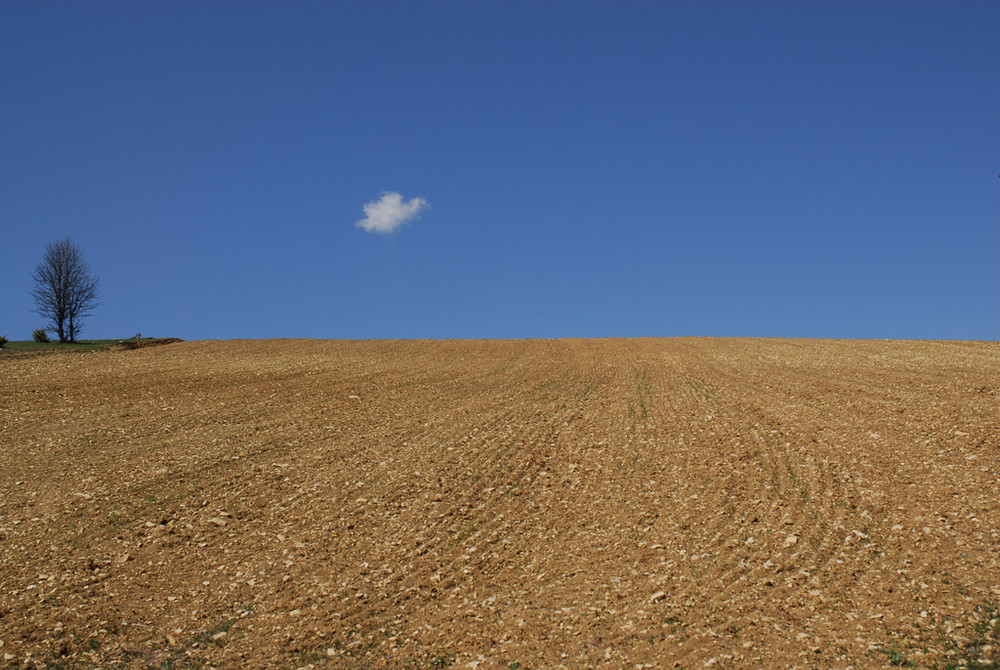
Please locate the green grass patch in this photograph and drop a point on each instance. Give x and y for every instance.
(803, 490)
(979, 649)
(594, 383)
(700, 389)
(643, 388)
(185, 655)
(893, 656)
(29, 347)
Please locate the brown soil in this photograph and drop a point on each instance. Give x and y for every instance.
(497, 504)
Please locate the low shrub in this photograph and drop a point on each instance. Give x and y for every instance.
(40, 335)
(3, 341)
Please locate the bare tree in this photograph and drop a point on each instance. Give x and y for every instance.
(65, 291)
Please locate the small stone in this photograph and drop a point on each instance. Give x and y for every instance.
(218, 636)
(791, 539)
(658, 596)
(295, 613)
(217, 521)
(331, 652)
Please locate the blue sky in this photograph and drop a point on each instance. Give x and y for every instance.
(584, 169)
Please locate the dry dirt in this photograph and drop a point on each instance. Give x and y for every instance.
(500, 504)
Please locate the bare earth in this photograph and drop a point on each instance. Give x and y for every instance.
(499, 504)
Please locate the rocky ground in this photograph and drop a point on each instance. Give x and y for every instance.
(499, 504)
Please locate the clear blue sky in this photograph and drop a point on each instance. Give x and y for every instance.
(586, 169)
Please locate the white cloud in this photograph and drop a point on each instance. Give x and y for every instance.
(390, 212)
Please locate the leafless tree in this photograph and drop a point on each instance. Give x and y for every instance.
(65, 291)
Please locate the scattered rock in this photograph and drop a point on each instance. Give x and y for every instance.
(675, 502)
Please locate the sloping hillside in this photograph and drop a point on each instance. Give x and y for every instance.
(501, 504)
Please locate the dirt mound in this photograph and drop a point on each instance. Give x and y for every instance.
(129, 345)
(496, 504)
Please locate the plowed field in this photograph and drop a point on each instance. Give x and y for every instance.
(502, 504)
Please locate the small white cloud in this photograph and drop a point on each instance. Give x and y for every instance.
(390, 212)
